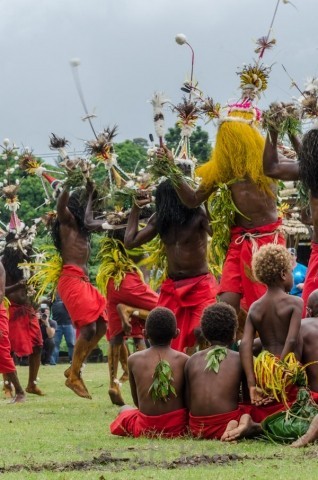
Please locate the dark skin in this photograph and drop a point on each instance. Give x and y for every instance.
(11, 377)
(141, 367)
(276, 317)
(219, 393)
(16, 292)
(281, 168)
(75, 250)
(75, 244)
(258, 208)
(124, 311)
(309, 332)
(180, 242)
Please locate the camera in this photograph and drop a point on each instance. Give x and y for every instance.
(43, 307)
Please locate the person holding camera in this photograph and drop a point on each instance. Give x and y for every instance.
(64, 328)
(48, 328)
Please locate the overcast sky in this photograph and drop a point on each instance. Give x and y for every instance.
(127, 51)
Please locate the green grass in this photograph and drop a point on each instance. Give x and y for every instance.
(45, 433)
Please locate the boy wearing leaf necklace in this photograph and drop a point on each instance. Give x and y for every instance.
(213, 378)
(157, 384)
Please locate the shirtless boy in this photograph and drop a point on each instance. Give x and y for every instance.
(276, 316)
(213, 393)
(162, 414)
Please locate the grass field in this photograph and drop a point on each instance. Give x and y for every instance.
(61, 436)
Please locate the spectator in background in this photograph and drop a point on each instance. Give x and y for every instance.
(48, 328)
(299, 274)
(64, 328)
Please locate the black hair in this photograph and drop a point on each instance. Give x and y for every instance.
(308, 161)
(219, 323)
(169, 208)
(161, 326)
(77, 206)
(12, 256)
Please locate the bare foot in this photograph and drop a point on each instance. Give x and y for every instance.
(310, 436)
(34, 389)
(245, 428)
(124, 378)
(67, 372)
(116, 397)
(232, 425)
(78, 387)
(8, 391)
(19, 398)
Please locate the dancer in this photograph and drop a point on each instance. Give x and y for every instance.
(184, 232)
(24, 330)
(280, 167)
(129, 298)
(85, 305)
(7, 367)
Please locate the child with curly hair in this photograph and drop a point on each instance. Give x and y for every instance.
(276, 316)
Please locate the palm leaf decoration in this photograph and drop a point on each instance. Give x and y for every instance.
(222, 211)
(46, 271)
(162, 388)
(115, 263)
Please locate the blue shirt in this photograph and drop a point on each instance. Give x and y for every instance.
(299, 274)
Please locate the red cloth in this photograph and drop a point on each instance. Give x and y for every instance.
(133, 292)
(24, 329)
(187, 299)
(258, 414)
(6, 361)
(83, 302)
(237, 271)
(213, 426)
(311, 280)
(136, 424)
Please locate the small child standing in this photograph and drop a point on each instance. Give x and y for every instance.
(157, 384)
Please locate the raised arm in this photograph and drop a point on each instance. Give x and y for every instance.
(16, 286)
(276, 165)
(135, 238)
(189, 197)
(63, 213)
(90, 223)
(291, 342)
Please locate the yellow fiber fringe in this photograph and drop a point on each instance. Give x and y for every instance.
(46, 273)
(238, 153)
(274, 376)
(156, 261)
(115, 263)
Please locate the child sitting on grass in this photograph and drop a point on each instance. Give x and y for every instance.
(276, 317)
(157, 383)
(213, 378)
